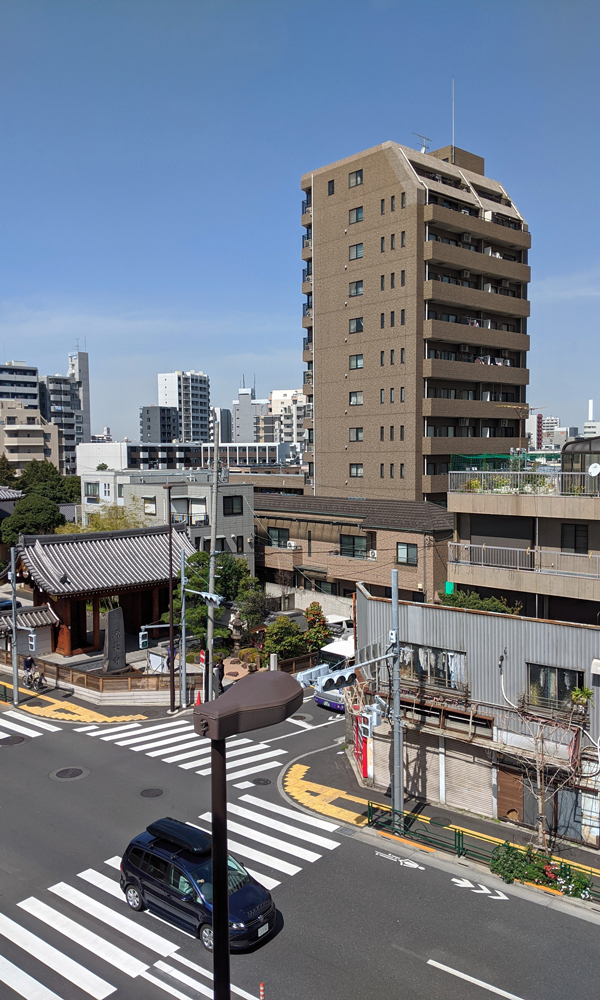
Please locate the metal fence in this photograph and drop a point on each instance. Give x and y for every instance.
(531, 560)
(546, 483)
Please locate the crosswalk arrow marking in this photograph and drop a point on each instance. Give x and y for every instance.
(463, 883)
(499, 896)
(482, 888)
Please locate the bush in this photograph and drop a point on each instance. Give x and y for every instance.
(318, 634)
(33, 515)
(471, 600)
(515, 865)
(284, 638)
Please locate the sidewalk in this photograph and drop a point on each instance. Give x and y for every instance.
(333, 771)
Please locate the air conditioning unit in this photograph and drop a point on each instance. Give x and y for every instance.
(372, 553)
(465, 211)
(505, 283)
(504, 423)
(292, 545)
(488, 251)
(466, 274)
(504, 353)
(466, 237)
(464, 348)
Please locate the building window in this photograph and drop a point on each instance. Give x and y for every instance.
(382, 471)
(382, 246)
(551, 687)
(382, 433)
(401, 355)
(355, 398)
(393, 241)
(356, 325)
(383, 206)
(382, 283)
(309, 539)
(406, 553)
(402, 432)
(355, 215)
(355, 178)
(403, 239)
(382, 358)
(330, 187)
(278, 537)
(403, 200)
(105, 491)
(402, 394)
(353, 546)
(402, 278)
(356, 361)
(382, 321)
(391, 433)
(401, 470)
(356, 433)
(356, 470)
(233, 505)
(149, 505)
(391, 470)
(392, 280)
(393, 203)
(392, 318)
(391, 395)
(239, 544)
(382, 395)
(120, 491)
(91, 490)
(324, 587)
(356, 288)
(392, 356)
(356, 251)
(574, 538)
(402, 317)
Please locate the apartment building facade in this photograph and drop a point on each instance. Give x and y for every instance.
(121, 455)
(65, 402)
(19, 381)
(25, 435)
(159, 424)
(415, 319)
(190, 393)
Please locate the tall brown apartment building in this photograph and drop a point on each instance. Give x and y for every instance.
(415, 277)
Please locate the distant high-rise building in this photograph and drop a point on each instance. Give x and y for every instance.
(20, 381)
(189, 392)
(290, 406)
(159, 424)
(104, 438)
(65, 401)
(225, 425)
(245, 410)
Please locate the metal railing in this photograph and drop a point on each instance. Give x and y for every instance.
(307, 378)
(194, 520)
(307, 345)
(549, 483)
(306, 207)
(531, 560)
(306, 309)
(306, 274)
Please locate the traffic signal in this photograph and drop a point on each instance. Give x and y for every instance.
(143, 639)
(31, 638)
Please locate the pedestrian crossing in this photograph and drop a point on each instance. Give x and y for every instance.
(82, 934)
(176, 743)
(13, 723)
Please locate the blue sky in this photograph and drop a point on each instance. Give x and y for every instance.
(151, 151)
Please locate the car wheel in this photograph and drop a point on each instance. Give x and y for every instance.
(134, 898)
(206, 936)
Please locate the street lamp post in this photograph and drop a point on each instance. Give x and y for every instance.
(168, 487)
(14, 650)
(210, 625)
(254, 702)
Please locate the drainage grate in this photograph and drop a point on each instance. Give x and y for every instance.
(12, 741)
(302, 718)
(261, 781)
(69, 773)
(151, 793)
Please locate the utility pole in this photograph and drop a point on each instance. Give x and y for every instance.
(182, 653)
(398, 749)
(15, 655)
(168, 488)
(210, 628)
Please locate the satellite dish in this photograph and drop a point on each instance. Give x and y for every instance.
(594, 469)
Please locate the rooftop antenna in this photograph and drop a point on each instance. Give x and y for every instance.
(452, 119)
(243, 381)
(424, 141)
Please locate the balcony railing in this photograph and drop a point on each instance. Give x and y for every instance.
(306, 274)
(538, 483)
(306, 309)
(307, 378)
(530, 560)
(306, 207)
(307, 345)
(354, 553)
(193, 520)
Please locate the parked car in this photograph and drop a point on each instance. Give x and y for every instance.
(168, 870)
(7, 605)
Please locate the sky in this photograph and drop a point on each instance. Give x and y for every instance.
(151, 152)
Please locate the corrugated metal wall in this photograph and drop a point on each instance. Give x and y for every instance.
(484, 637)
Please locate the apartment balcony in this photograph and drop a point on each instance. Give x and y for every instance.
(463, 333)
(466, 371)
(474, 299)
(478, 263)
(528, 571)
(525, 483)
(307, 285)
(370, 554)
(307, 423)
(307, 378)
(467, 445)
(456, 222)
(475, 408)
(306, 310)
(278, 557)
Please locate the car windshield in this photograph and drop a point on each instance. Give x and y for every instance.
(237, 876)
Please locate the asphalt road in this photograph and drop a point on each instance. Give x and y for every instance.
(356, 922)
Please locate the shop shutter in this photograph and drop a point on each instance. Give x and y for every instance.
(468, 778)
(421, 765)
(510, 795)
(382, 756)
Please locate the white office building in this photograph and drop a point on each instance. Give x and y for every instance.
(246, 411)
(190, 393)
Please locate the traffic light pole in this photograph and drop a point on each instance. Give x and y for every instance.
(182, 652)
(14, 653)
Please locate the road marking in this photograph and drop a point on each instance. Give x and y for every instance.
(55, 959)
(57, 710)
(85, 729)
(320, 726)
(85, 938)
(253, 770)
(209, 975)
(113, 731)
(267, 841)
(321, 824)
(165, 986)
(197, 742)
(102, 882)
(300, 723)
(464, 883)
(248, 760)
(269, 883)
(114, 862)
(276, 824)
(164, 740)
(23, 984)
(244, 784)
(181, 977)
(125, 925)
(236, 753)
(143, 737)
(263, 859)
(33, 722)
(195, 763)
(476, 982)
(19, 729)
(405, 862)
(319, 798)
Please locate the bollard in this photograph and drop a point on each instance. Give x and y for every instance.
(261, 992)
(4, 694)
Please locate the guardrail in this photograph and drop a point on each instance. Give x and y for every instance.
(538, 483)
(530, 560)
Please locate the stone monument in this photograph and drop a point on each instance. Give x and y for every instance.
(114, 642)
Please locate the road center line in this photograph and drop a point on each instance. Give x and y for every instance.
(471, 979)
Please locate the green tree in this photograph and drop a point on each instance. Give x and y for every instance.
(45, 479)
(102, 467)
(284, 638)
(7, 472)
(318, 634)
(36, 473)
(253, 606)
(471, 600)
(33, 515)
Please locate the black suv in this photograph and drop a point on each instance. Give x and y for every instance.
(168, 870)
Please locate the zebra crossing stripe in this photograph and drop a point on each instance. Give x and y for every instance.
(19, 729)
(209, 975)
(33, 722)
(85, 729)
(267, 841)
(248, 760)
(130, 928)
(321, 824)
(165, 986)
(195, 763)
(102, 882)
(85, 938)
(23, 984)
(262, 858)
(164, 740)
(181, 977)
(55, 959)
(196, 743)
(115, 731)
(269, 883)
(114, 862)
(144, 736)
(276, 824)
(254, 770)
